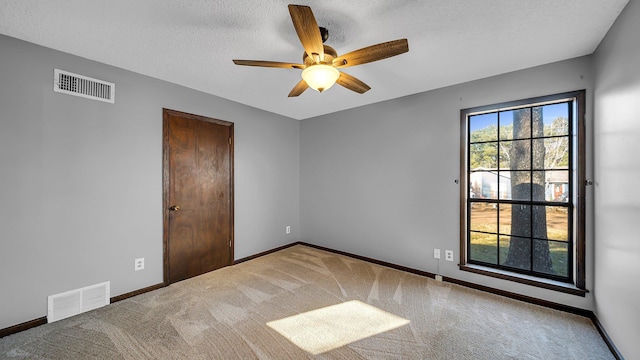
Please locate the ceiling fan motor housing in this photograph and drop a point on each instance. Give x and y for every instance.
(329, 54)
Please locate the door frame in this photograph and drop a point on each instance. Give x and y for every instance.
(165, 184)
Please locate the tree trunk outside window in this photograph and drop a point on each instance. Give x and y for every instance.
(528, 221)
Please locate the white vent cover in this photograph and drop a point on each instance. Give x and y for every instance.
(84, 86)
(74, 302)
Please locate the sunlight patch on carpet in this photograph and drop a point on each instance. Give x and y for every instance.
(331, 327)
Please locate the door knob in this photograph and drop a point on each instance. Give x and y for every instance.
(174, 208)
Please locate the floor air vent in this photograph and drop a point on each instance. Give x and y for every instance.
(74, 302)
(84, 86)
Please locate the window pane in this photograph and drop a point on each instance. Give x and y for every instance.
(538, 186)
(483, 127)
(559, 257)
(542, 257)
(504, 219)
(483, 156)
(505, 184)
(503, 242)
(504, 155)
(551, 257)
(515, 185)
(555, 118)
(557, 186)
(557, 222)
(484, 217)
(520, 220)
(520, 123)
(539, 222)
(515, 155)
(483, 247)
(537, 126)
(556, 154)
(484, 184)
(506, 125)
(538, 154)
(518, 254)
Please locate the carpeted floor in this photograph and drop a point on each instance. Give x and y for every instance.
(331, 306)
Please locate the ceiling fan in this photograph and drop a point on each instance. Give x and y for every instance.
(320, 63)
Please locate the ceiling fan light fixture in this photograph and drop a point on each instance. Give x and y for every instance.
(320, 77)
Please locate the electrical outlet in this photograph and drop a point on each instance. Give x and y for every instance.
(436, 253)
(448, 255)
(139, 264)
(287, 230)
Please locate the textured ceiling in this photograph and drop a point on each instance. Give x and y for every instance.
(192, 42)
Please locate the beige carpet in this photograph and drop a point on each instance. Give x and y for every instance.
(303, 303)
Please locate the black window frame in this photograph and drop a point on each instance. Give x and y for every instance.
(574, 282)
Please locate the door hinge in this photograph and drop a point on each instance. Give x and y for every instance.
(229, 243)
(230, 141)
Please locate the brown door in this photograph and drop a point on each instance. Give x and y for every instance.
(198, 195)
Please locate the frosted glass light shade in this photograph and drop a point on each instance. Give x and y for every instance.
(320, 77)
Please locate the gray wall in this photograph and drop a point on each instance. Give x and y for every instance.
(616, 171)
(379, 180)
(81, 180)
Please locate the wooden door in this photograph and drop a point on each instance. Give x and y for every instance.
(198, 195)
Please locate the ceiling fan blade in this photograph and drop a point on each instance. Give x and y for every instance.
(372, 53)
(308, 31)
(299, 88)
(273, 64)
(352, 83)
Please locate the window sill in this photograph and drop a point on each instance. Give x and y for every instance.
(525, 279)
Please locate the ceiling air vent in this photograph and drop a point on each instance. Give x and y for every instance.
(83, 86)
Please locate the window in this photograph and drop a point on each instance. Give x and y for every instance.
(522, 191)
